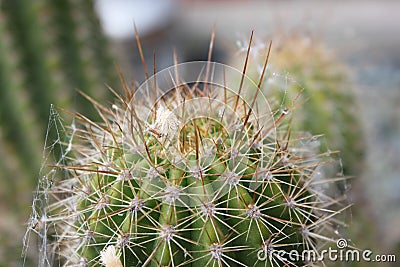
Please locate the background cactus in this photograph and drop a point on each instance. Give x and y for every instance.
(49, 48)
(330, 107)
(187, 175)
(14, 106)
(35, 72)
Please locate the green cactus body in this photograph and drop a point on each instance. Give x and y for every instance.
(33, 57)
(29, 77)
(189, 177)
(80, 54)
(41, 47)
(15, 122)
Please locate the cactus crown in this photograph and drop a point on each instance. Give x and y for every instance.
(194, 168)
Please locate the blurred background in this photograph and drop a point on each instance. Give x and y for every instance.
(346, 52)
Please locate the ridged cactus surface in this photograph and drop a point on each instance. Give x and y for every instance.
(185, 171)
(46, 54)
(41, 44)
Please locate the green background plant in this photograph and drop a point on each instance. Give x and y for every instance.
(329, 106)
(48, 50)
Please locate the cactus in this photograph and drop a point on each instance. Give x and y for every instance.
(75, 35)
(330, 107)
(23, 24)
(34, 70)
(186, 172)
(34, 75)
(16, 121)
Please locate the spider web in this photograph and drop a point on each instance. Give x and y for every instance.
(57, 146)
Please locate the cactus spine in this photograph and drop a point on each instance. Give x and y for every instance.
(188, 173)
